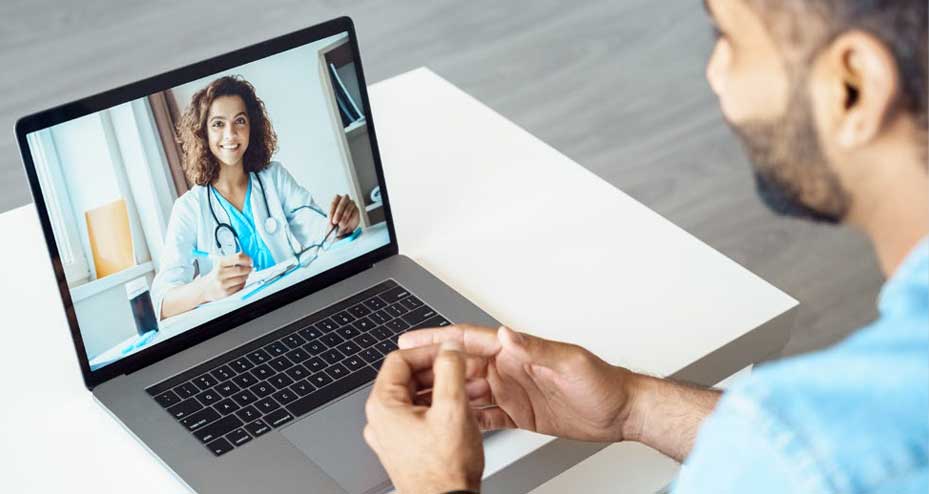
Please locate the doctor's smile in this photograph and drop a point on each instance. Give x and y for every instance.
(245, 212)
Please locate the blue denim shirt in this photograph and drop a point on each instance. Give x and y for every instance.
(853, 419)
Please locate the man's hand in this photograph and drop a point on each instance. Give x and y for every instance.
(540, 385)
(426, 449)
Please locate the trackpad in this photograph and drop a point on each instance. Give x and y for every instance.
(332, 438)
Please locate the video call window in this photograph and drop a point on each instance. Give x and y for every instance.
(174, 209)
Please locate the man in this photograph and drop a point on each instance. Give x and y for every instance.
(829, 98)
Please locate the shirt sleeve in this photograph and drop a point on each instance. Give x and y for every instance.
(739, 450)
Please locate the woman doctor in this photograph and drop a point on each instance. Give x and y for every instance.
(245, 212)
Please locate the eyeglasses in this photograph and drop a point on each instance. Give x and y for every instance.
(309, 254)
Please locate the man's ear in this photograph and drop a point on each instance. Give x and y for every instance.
(865, 84)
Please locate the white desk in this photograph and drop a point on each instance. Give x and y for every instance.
(490, 210)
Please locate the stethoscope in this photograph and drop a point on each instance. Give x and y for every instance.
(225, 236)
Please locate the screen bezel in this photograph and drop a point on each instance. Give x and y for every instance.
(129, 92)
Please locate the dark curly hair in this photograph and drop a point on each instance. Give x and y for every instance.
(199, 163)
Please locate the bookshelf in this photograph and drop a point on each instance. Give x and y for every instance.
(337, 74)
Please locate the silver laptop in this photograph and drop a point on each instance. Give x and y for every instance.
(235, 337)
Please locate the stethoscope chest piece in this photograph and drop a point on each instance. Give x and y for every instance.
(270, 225)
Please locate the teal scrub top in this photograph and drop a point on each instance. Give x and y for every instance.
(243, 222)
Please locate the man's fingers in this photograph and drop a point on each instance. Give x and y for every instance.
(370, 438)
(392, 383)
(475, 367)
(475, 340)
(491, 419)
(539, 351)
(448, 390)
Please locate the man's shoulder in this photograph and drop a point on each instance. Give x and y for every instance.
(856, 412)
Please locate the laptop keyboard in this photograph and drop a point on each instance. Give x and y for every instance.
(266, 383)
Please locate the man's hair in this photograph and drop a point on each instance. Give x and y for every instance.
(806, 27)
(199, 163)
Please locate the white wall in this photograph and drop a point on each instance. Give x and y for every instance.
(290, 87)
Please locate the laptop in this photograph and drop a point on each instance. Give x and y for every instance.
(258, 383)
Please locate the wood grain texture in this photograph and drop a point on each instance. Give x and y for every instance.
(618, 86)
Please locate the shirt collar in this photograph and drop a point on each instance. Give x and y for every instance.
(913, 272)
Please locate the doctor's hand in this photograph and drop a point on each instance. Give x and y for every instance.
(344, 214)
(541, 385)
(227, 276)
(426, 449)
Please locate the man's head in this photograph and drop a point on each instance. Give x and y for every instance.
(819, 91)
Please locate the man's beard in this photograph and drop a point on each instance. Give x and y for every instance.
(792, 175)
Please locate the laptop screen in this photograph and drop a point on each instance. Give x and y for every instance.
(176, 208)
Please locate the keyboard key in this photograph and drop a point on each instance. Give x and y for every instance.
(257, 428)
(186, 390)
(343, 318)
(322, 396)
(315, 364)
(371, 355)
(337, 371)
(238, 437)
(394, 294)
(168, 398)
(381, 333)
(267, 405)
(349, 348)
(315, 347)
(326, 325)
(244, 380)
(320, 379)
(263, 372)
(298, 372)
(386, 346)
(332, 356)
(225, 407)
(411, 302)
(418, 315)
(281, 381)
(348, 332)
(208, 397)
(434, 322)
(276, 349)
(241, 364)
(302, 387)
(200, 419)
(354, 363)
(227, 388)
(364, 340)
(220, 447)
(185, 408)
(262, 389)
(244, 397)
(377, 363)
(310, 333)
(293, 341)
(247, 414)
(285, 396)
(217, 429)
(374, 303)
(332, 339)
(298, 355)
(205, 382)
(278, 418)
(222, 373)
(396, 310)
(259, 357)
(397, 326)
(359, 310)
(380, 317)
(362, 325)
(281, 364)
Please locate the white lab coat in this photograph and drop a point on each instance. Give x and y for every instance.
(192, 227)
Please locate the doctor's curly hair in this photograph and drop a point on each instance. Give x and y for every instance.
(199, 164)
